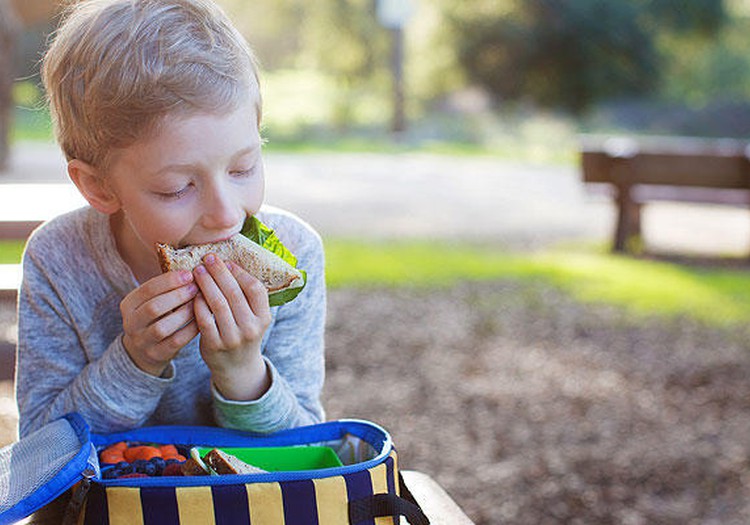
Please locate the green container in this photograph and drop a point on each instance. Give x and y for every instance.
(275, 459)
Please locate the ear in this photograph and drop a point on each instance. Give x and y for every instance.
(93, 186)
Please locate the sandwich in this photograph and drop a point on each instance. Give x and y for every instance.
(216, 463)
(222, 463)
(256, 248)
(194, 465)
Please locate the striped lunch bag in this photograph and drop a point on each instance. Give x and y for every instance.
(338, 472)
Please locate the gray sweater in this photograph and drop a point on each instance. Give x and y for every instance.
(71, 357)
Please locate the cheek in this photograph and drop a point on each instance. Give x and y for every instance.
(159, 223)
(257, 193)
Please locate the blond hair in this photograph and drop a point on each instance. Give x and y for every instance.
(116, 67)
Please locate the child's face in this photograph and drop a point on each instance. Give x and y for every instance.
(192, 181)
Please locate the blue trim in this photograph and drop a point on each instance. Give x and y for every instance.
(63, 480)
(216, 436)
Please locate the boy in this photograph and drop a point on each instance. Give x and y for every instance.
(156, 105)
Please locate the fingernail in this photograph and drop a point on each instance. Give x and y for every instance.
(200, 269)
(210, 258)
(230, 266)
(186, 276)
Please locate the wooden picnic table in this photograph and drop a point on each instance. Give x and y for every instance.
(435, 502)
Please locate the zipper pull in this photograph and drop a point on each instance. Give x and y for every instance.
(79, 497)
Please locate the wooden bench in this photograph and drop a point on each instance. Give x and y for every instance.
(711, 171)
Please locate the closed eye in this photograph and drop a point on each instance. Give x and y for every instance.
(243, 172)
(174, 195)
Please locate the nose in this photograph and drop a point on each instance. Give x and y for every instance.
(221, 210)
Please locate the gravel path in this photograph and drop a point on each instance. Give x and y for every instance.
(530, 409)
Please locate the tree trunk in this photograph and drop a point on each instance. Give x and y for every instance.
(8, 35)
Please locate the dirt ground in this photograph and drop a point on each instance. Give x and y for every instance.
(531, 409)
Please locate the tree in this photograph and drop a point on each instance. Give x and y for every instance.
(9, 30)
(572, 53)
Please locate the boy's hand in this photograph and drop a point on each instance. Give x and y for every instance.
(158, 320)
(232, 313)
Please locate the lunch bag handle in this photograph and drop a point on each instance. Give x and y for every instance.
(385, 505)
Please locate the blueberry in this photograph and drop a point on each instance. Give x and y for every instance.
(172, 461)
(149, 469)
(158, 464)
(111, 473)
(139, 465)
(124, 468)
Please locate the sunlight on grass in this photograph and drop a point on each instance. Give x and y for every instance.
(419, 264)
(10, 252)
(642, 287)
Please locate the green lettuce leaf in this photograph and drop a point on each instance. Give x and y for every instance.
(261, 234)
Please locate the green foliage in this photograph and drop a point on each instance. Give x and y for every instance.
(705, 17)
(31, 120)
(340, 38)
(701, 72)
(573, 53)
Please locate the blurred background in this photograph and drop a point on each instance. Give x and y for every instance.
(476, 309)
(506, 77)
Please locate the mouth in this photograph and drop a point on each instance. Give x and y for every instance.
(213, 240)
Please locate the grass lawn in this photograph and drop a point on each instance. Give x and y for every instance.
(642, 287)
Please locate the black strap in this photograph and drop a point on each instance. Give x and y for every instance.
(384, 505)
(75, 504)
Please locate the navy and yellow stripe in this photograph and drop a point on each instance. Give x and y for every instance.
(323, 501)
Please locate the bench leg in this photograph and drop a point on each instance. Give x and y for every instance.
(628, 228)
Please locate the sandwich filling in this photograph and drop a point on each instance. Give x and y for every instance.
(256, 248)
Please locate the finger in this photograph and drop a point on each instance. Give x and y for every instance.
(219, 303)
(160, 306)
(156, 286)
(206, 322)
(230, 288)
(166, 326)
(255, 292)
(181, 337)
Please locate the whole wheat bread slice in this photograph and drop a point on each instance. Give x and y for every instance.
(223, 463)
(273, 271)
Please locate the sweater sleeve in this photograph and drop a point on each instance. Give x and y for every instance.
(294, 352)
(57, 374)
